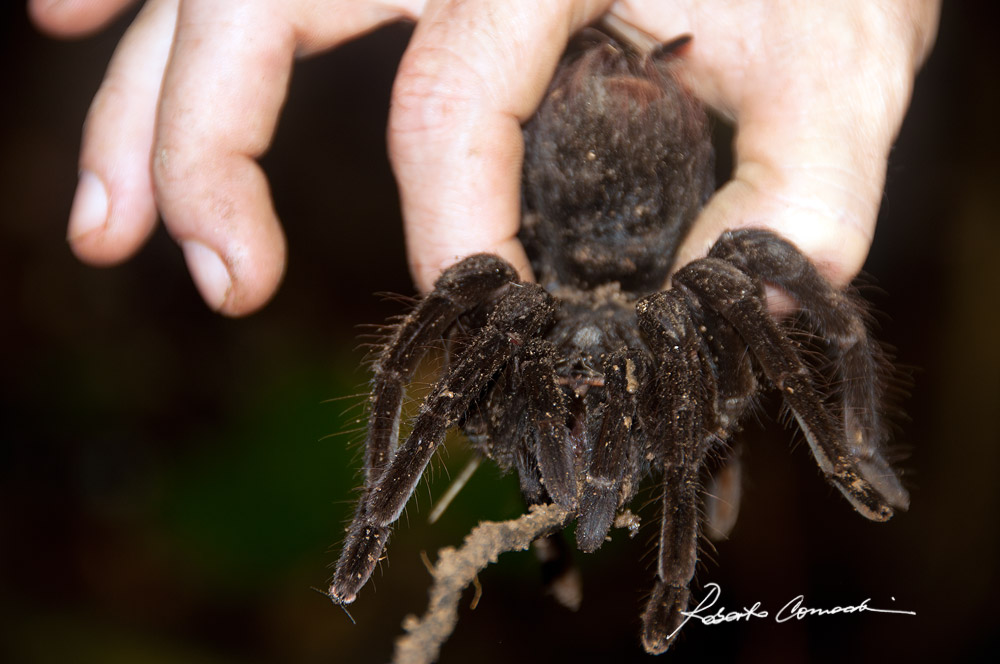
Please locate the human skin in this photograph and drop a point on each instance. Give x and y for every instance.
(191, 98)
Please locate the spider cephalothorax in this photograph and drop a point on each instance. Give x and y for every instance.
(597, 377)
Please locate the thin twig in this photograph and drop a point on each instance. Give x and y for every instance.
(455, 487)
(456, 569)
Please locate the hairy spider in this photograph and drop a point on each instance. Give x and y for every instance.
(597, 376)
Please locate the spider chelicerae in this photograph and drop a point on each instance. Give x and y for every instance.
(598, 375)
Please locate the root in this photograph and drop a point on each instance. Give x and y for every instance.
(457, 568)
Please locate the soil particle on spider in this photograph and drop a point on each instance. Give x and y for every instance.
(597, 376)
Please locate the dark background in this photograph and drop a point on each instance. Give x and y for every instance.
(172, 482)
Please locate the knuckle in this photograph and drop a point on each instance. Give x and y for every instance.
(435, 87)
(175, 161)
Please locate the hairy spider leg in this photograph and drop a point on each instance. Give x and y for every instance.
(547, 429)
(498, 428)
(522, 312)
(602, 483)
(525, 458)
(461, 287)
(526, 429)
(736, 390)
(680, 442)
(857, 359)
(723, 287)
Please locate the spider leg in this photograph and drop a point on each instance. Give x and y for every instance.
(603, 480)
(499, 429)
(721, 286)
(520, 314)
(464, 285)
(547, 414)
(507, 430)
(858, 359)
(678, 405)
(722, 497)
(529, 477)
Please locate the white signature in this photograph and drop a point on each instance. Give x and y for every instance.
(793, 610)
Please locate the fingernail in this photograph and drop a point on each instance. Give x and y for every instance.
(209, 273)
(90, 206)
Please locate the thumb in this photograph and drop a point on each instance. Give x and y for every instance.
(819, 186)
(818, 93)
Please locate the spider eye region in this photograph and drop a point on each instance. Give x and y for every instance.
(588, 337)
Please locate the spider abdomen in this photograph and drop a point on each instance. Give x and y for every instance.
(618, 162)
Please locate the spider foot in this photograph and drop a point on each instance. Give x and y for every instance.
(602, 491)
(515, 320)
(357, 561)
(845, 430)
(597, 513)
(873, 500)
(663, 616)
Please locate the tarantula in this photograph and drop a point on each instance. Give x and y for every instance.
(597, 376)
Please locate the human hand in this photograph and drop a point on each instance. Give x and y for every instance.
(191, 98)
(818, 94)
(817, 91)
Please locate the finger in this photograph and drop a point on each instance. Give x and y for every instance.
(222, 92)
(474, 71)
(811, 151)
(818, 93)
(74, 18)
(823, 199)
(335, 21)
(113, 211)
